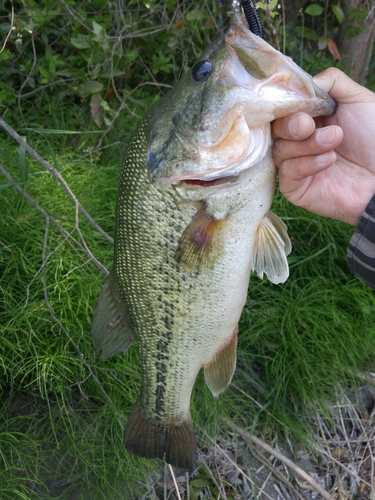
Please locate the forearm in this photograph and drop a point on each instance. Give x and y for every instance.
(361, 251)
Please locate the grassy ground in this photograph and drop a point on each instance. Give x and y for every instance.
(63, 411)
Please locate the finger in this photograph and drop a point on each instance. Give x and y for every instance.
(294, 127)
(322, 140)
(342, 88)
(295, 171)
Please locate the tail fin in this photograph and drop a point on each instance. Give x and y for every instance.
(151, 440)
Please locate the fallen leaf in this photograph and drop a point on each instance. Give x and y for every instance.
(332, 47)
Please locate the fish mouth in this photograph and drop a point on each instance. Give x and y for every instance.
(258, 66)
(214, 182)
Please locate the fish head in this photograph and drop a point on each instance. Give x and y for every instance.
(215, 123)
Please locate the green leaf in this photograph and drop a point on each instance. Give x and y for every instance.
(193, 15)
(97, 28)
(322, 43)
(81, 41)
(307, 33)
(71, 73)
(338, 13)
(199, 483)
(44, 73)
(88, 88)
(266, 6)
(110, 74)
(314, 10)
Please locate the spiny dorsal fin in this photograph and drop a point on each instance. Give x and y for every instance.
(272, 245)
(218, 374)
(110, 331)
(202, 241)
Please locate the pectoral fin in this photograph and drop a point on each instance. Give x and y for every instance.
(110, 331)
(272, 245)
(218, 374)
(202, 241)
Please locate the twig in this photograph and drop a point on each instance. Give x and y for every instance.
(187, 486)
(174, 482)
(218, 486)
(237, 466)
(274, 471)
(300, 472)
(56, 175)
(10, 30)
(46, 215)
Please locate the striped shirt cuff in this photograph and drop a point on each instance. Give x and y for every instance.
(361, 251)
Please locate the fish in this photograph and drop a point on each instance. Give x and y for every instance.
(192, 221)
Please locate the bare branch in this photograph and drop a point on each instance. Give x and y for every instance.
(46, 215)
(56, 175)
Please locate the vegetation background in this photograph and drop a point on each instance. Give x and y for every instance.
(75, 77)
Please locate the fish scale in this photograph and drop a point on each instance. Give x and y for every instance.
(192, 220)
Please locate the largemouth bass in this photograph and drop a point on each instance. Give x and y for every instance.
(193, 219)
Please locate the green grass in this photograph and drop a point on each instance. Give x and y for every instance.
(63, 411)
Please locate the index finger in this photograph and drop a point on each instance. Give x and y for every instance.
(294, 127)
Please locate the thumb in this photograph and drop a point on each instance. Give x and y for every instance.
(342, 88)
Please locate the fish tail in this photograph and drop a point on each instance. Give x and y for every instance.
(148, 439)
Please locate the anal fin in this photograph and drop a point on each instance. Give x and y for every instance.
(202, 241)
(219, 372)
(272, 245)
(110, 331)
(148, 439)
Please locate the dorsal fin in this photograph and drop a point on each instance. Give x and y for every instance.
(272, 245)
(110, 331)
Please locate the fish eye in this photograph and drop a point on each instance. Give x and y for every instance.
(202, 70)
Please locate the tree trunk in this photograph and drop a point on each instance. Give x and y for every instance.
(356, 37)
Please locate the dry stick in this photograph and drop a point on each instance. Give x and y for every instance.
(46, 215)
(267, 463)
(218, 486)
(174, 482)
(248, 437)
(239, 468)
(56, 175)
(60, 325)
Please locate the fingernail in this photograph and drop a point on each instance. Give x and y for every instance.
(294, 126)
(326, 136)
(323, 158)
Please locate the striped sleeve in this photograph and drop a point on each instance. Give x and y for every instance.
(361, 251)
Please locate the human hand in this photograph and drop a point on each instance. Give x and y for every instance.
(327, 165)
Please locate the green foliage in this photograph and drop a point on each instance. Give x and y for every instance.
(314, 17)
(356, 17)
(84, 51)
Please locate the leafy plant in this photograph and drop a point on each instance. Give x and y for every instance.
(323, 13)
